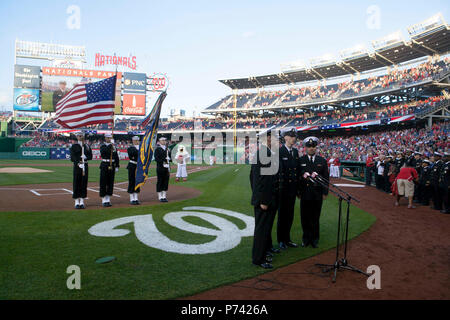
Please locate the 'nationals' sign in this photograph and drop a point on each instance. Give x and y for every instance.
(101, 60)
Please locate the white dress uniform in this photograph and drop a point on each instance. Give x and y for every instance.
(334, 170)
(181, 157)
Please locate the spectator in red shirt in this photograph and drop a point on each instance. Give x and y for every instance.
(369, 168)
(405, 184)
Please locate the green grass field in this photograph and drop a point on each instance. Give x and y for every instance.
(59, 174)
(36, 248)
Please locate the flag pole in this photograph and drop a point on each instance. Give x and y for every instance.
(113, 119)
(234, 126)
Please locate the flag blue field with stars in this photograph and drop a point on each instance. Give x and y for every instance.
(60, 153)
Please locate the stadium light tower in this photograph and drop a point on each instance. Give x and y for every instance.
(356, 51)
(389, 40)
(293, 66)
(322, 61)
(48, 51)
(431, 23)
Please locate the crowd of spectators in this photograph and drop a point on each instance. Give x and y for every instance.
(356, 148)
(393, 79)
(311, 117)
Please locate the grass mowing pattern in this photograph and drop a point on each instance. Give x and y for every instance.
(38, 247)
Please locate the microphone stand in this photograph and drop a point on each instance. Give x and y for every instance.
(343, 262)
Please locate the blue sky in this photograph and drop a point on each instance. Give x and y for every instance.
(197, 43)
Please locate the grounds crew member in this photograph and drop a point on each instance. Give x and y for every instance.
(162, 158)
(435, 173)
(80, 153)
(288, 156)
(444, 180)
(265, 199)
(108, 167)
(424, 188)
(133, 154)
(312, 194)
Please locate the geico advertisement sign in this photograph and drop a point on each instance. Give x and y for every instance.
(33, 153)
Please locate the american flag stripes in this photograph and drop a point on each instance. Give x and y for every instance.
(87, 104)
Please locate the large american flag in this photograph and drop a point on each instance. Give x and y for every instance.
(87, 104)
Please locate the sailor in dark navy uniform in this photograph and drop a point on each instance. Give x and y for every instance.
(289, 171)
(424, 189)
(80, 154)
(444, 180)
(133, 154)
(312, 194)
(409, 158)
(399, 161)
(416, 163)
(435, 173)
(265, 183)
(162, 158)
(108, 167)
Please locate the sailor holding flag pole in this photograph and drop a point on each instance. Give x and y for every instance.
(147, 145)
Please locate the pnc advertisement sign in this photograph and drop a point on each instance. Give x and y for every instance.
(134, 82)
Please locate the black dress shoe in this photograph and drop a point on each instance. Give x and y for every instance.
(264, 265)
(165, 200)
(283, 246)
(315, 244)
(77, 206)
(137, 202)
(108, 204)
(274, 250)
(82, 206)
(292, 244)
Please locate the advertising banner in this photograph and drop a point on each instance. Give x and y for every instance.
(123, 154)
(27, 76)
(60, 153)
(26, 99)
(57, 82)
(133, 104)
(34, 153)
(134, 82)
(67, 63)
(158, 82)
(64, 154)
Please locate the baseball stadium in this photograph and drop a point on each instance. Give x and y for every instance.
(109, 198)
